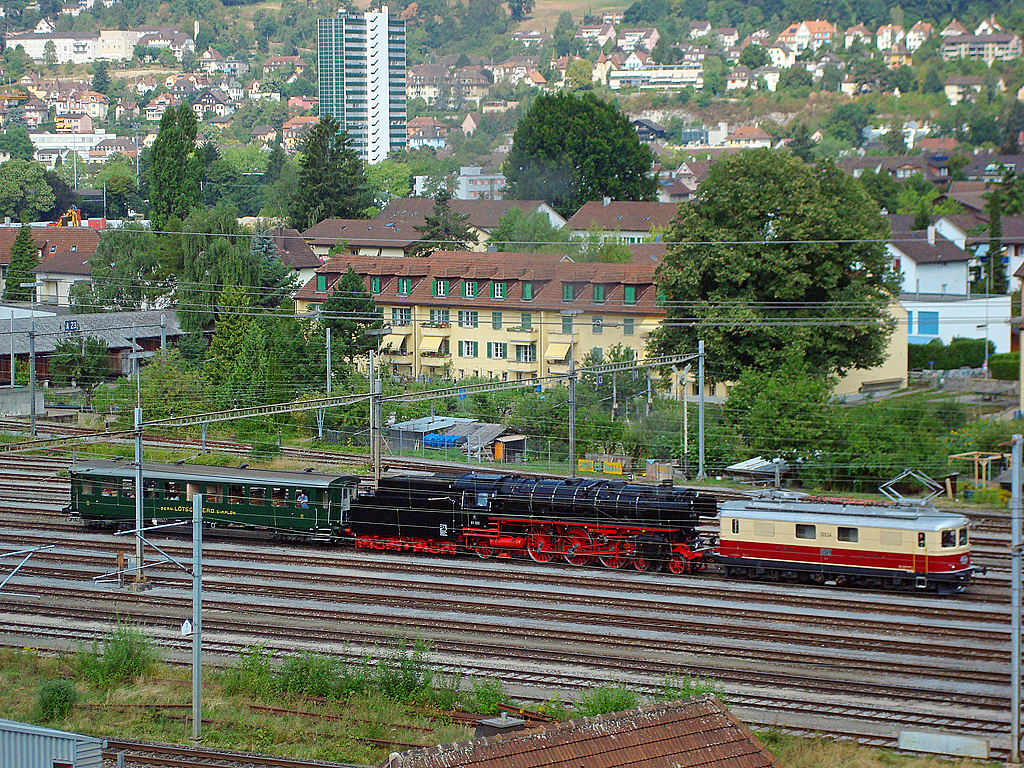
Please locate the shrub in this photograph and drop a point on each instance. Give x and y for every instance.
(555, 708)
(1005, 366)
(485, 697)
(123, 654)
(603, 700)
(405, 674)
(56, 700)
(312, 674)
(674, 688)
(252, 674)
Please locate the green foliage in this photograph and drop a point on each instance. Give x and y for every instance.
(568, 150)
(605, 700)
(167, 383)
(252, 673)
(486, 697)
(175, 168)
(674, 688)
(85, 361)
(126, 272)
(388, 180)
(24, 193)
(332, 181)
(443, 229)
(960, 353)
(311, 674)
(24, 259)
(776, 255)
(349, 311)
(1005, 366)
(404, 673)
(56, 700)
(781, 412)
(847, 122)
(555, 708)
(15, 139)
(521, 232)
(123, 654)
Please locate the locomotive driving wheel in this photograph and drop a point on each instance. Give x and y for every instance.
(679, 565)
(616, 560)
(538, 544)
(574, 541)
(484, 552)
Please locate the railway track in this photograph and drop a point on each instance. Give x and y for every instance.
(860, 663)
(145, 754)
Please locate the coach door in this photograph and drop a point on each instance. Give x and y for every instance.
(921, 553)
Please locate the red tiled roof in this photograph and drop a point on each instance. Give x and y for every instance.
(697, 733)
(623, 216)
(65, 247)
(483, 214)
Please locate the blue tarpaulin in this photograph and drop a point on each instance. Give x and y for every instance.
(437, 440)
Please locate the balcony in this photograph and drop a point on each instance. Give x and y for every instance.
(519, 335)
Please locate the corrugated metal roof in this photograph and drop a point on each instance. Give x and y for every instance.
(695, 733)
(32, 746)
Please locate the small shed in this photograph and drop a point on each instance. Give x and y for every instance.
(32, 746)
(410, 435)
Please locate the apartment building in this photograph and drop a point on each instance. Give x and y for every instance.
(506, 316)
(362, 79)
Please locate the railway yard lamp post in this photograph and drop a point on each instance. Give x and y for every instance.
(375, 412)
(31, 357)
(700, 409)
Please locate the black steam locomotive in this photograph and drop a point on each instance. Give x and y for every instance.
(581, 521)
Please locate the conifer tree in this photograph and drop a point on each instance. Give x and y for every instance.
(443, 229)
(24, 259)
(332, 180)
(233, 323)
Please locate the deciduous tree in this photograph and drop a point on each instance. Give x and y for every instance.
(778, 256)
(24, 193)
(569, 149)
(127, 272)
(349, 311)
(175, 168)
(84, 361)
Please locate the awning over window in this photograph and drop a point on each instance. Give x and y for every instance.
(430, 343)
(557, 350)
(392, 341)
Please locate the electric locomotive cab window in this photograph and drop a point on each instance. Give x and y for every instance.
(963, 537)
(805, 531)
(847, 534)
(920, 539)
(948, 539)
(735, 525)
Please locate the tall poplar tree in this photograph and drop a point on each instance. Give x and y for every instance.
(332, 180)
(24, 258)
(175, 167)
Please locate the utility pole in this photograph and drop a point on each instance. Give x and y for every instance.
(329, 376)
(1015, 572)
(31, 356)
(700, 410)
(572, 416)
(197, 617)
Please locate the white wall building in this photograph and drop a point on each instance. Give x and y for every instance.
(947, 317)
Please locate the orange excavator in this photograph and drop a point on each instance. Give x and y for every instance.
(72, 217)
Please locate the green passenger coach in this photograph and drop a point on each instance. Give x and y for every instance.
(288, 504)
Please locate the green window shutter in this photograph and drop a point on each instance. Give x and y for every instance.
(527, 321)
(630, 294)
(321, 282)
(598, 293)
(496, 320)
(527, 291)
(489, 355)
(567, 292)
(434, 288)
(375, 284)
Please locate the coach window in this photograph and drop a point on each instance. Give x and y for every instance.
(963, 537)
(128, 488)
(847, 534)
(149, 489)
(235, 494)
(735, 525)
(172, 490)
(108, 487)
(258, 496)
(920, 539)
(88, 488)
(948, 539)
(214, 493)
(280, 497)
(805, 531)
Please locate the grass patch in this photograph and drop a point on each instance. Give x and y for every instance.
(798, 752)
(124, 654)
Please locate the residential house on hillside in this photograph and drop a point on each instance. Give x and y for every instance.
(962, 88)
(749, 137)
(917, 35)
(158, 105)
(361, 237)
(649, 131)
(596, 34)
(1002, 46)
(294, 130)
(212, 102)
(627, 222)
(64, 254)
(858, 32)
(888, 35)
(954, 29)
(484, 214)
(632, 38)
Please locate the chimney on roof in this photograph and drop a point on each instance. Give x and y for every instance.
(931, 234)
(606, 201)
